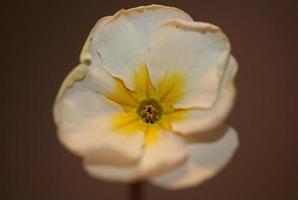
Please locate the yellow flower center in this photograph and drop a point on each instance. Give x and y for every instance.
(146, 108)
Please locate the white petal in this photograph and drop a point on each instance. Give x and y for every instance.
(84, 127)
(100, 80)
(78, 73)
(96, 77)
(122, 44)
(166, 154)
(207, 157)
(199, 51)
(201, 120)
(85, 56)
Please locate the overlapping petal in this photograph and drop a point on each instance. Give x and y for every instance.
(208, 154)
(202, 120)
(84, 126)
(121, 45)
(166, 153)
(196, 50)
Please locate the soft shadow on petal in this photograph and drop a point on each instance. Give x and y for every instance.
(83, 118)
(208, 154)
(122, 44)
(196, 50)
(202, 120)
(208, 136)
(168, 152)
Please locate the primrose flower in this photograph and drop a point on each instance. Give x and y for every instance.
(148, 100)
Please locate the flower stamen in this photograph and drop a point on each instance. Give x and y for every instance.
(150, 111)
(149, 114)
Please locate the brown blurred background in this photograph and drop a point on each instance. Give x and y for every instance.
(40, 44)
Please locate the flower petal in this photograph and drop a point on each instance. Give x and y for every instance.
(122, 44)
(78, 73)
(142, 83)
(85, 56)
(97, 77)
(198, 52)
(84, 120)
(201, 120)
(165, 154)
(207, 156)
(111, 87)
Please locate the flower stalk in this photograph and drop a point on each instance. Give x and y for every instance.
(136, 191)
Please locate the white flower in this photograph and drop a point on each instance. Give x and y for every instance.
(149, 98)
